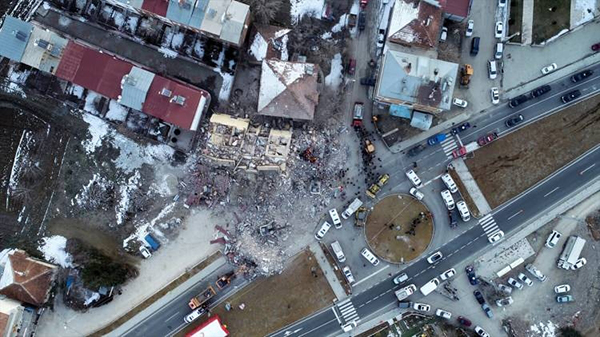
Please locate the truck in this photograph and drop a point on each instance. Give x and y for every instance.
(361, 216)
(463, 150)
(430, 286)
(466, 72)
(152, 242)
(198, 300)
(224, 280)
(357, 114)
(403, 293)
(571, 252)
(352, 208)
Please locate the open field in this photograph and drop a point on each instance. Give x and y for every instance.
(274, 302)
(388, 226)
(515, 162)
(549, 18)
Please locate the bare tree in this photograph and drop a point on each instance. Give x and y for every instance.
(264, 10)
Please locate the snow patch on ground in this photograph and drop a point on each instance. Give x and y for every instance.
(259, 47)
(199, 48)
(326, 35)
(168, 53)
(119, 19)
(21, 159)
(284, 49)
(132, 22)
(94, 297)
(177, 40)
(300, 8)
(545, 330)
(98, 130)
(334, 79)
(53, 249)
(340, 25)
(76, 90)
(90, 102)
(584, 11)
(116, 112)
(121, 209)
(83, 197)
(562, 32)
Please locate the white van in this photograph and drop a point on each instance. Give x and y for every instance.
(412, 176)
(194, 315)
(449, 182)
(448, 200)
(335, 218)
(430, 286)
(369, 256)
(337, 250)
(493, 70)
(323, 230)
(463, 210)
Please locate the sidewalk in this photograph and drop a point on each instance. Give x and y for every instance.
(329, 273)
(471, 185)
(527, 22)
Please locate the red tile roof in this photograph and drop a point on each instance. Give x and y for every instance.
(160, 106)
(456, 7)
(156, 6)
(31, 279)
(92, 69)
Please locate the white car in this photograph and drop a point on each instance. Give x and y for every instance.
(448, 274)
(194, 315)
(492, 69)
(460, 102)
(416, 193)
(435, 257)
(449, 182)
(501, 3)
(463, 210)
(549, 68)
(369, 256)
(496, 237)
(482, 333)
(399, 279)
(444, 34)
(495, 94)
(414, 178)
(323, 230)
(470, 26)
(421, 307)
(380, 38)
(514, 283)
(443, 313)
(348, 273)
(349, 326)
(552, 240)
(499, 30)
(505, 289)
(448, 200)
(525, 279)
(580, 263)
(499, 50)
(145, 252)
(563, 288)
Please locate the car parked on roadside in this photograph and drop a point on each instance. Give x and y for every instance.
(482, 333)
(435, 257)
(514, 283)
(194, 315)
(461, 128)
(463, 321)
(523, 278)
(549, 68)
(448, 200)
(421, 307)
(443, 313)
(415, 150)
(487, 138)
(504, 301)
(495, 95)
(381, 38)
(448, 274)
(470, 270)
(499, 32)
(570, 96)
(580, 76)
(416, 193)
(351, 66)
(449, 182)
(552, 240)
(492, 70)
(563, 288)
(368, 81)
(405, 305)
(440, 137)
(460, 102)
(452, 219)
(565, 299)
(479, 296)
(323, 230)
(348, 273)
(498, 51)
(539, 91)
(580, 263)
(514, 120)
(470, 27)
(400, 278)
(496, 237)
(463, 210)
(518, 101)
(488, 311)
(505, 289)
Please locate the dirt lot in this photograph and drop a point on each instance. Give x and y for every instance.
(549, 18)
(510, 165)
(388, 228)
(274, 302)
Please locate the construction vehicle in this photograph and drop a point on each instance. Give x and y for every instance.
(369, 146)
(466, 72)
(224, 280)
(361, 216)
(198, 300)
(375, 188)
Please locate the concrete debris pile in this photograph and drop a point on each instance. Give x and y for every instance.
(206, 185)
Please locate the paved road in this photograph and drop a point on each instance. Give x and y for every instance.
(508, 217)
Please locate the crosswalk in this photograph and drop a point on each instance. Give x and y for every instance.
(448, 145)
(345, 312)
(489, 226)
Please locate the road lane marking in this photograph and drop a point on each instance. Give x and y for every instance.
(368, 277)
(172, 316)
(514, 215)
(554, 190)
(336, 315)
(585, 170)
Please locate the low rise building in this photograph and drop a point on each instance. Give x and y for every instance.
(11, 314)
(269, 42)
(24, 278)
(415, 24)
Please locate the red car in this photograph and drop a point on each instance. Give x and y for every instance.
(351, 66)
(487, 139)
(464, 321)
(596, 47)
(461, 151)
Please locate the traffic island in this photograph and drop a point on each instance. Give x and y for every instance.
(399, 228)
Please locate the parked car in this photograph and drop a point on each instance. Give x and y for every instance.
(565, 299)
(443, 313)
(518, 101)
(323, 230)
(552, 240)
(435, 257)
(348, 273)
(366, 253)
(549, 68)
(463, 210)
(523, 278)
(415, 150)
(563, 288)
(405, 305)
(514, 120)
(495, 94)
(596, 47)
(463, 321)
(448, 200)
(471, 25)
(440, 137)
(460, 102)
(568, 97)
(488, 311)
(449, 182)
(492, 70)
(380, 38)
(504, 301)
(452, 219)
(499, 30)
(487, 139)
(479, 330)
(400, 278)
(479, 296)
(505, 289)
(581, 75)
(448, 274)
(421, 307)
(444, 34)
(496, 237)
(498, 51)
(470, 270)
(580, 263)
(368, 81)
(416, 193)
(501, 3)
(461, 128)
(351, 66)
(194, 315)
(535, 272)
(514, 283)
(539, 91)
(145, 252)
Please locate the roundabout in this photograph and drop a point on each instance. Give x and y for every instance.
(399, 228)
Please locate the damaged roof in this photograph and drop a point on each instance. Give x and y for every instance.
(269, 42)
(414, 79)
(459, 8)
(25, 279)
(415, 23)
(288, 90)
